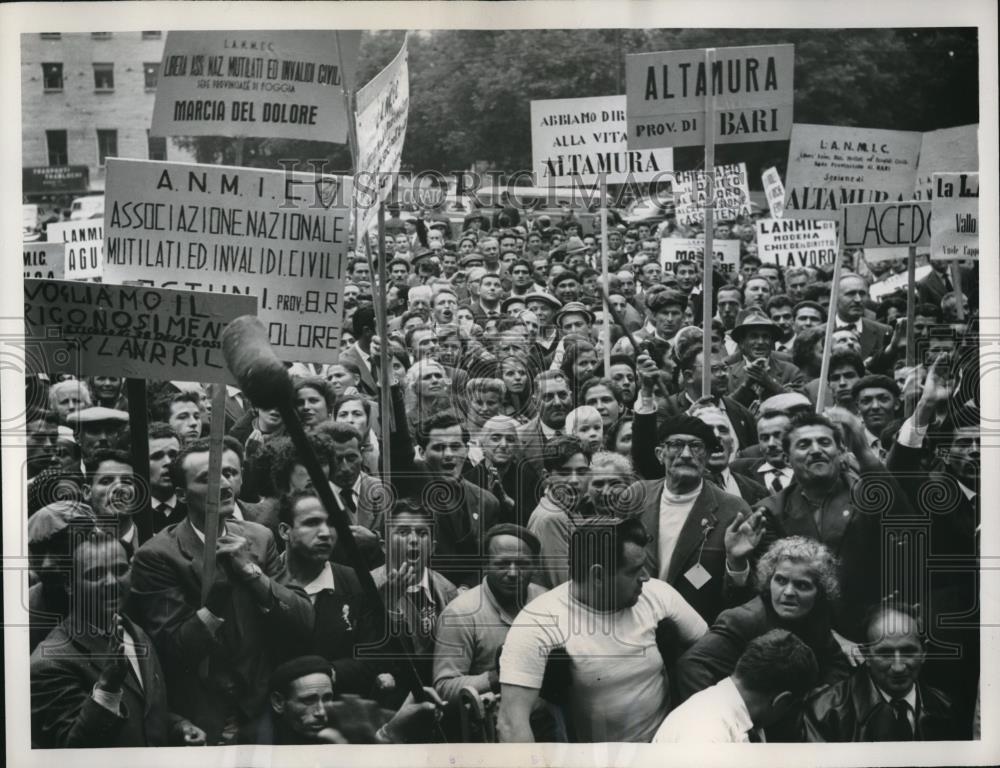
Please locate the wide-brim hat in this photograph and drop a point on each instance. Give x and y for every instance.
(755, 321)
(575, 308)
(548, 298)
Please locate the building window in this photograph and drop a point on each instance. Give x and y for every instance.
(107, 145)
(104, 77)
(51, 35)
(56, 141)
(52, 76)
(157, 147)
(151, 71)
(151, 35)
(101, 35)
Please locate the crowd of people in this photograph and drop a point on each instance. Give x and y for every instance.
(564, 549)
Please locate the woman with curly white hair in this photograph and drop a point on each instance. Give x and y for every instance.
(797, 586)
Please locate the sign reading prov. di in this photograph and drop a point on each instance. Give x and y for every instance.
(752, 89)
(124, 330)
(284, 84)
(577, 140)
(281, 237)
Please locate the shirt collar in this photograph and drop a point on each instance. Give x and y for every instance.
(171, 502)
(323, 581)
(361, 353)
(200, 534)
(424, 585)
(547, 432)
(970, 493)
(680, 498)
(741, 714)
(356, 487)
(129, 536)
(873, 442)
(769, 467)
(910, 698)
(857, 325)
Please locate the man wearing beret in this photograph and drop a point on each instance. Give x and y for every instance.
(700, 536)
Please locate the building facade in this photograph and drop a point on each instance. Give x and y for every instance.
(89, 96)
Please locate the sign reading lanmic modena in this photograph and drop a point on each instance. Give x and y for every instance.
(284, 84)
(751, 88)
(577, 140)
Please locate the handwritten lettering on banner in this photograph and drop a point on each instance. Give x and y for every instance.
(577, 140)
(122, 330)
(726, 253)
(831, 166)
(955, 216)
(383, 107)
(282, 238)
(887, 230)
(946, 151)
(774, 190)
(84, 242)
(752, 86)
(796, 242)
(44, 261)
(731, 191)
(283, 84)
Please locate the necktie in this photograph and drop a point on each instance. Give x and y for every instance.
(901, 730)
(347, 497)
(163, 509)
(129, 548)
(948, 287)
(776, 481)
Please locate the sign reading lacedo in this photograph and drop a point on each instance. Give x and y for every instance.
(796, 242)
(730, 190)
(955, 208)
(726, 253)
(284, 84)
(44, 260)
(832, 166)
(280, 237)
(84, 245)
(886, 230)
(123, 330)
(383, 107)
(578, 140)
(752, 87)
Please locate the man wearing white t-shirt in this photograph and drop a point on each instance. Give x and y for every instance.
(605, 619)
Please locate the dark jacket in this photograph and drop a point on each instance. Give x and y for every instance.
(64, 670)
(853, 710)
(212, 676)
(784, 373)
(520, 483)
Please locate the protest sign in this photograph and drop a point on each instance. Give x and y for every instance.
(577, 140)
(131, 331)
(726, 253)
(752, 89)
(731, 193)
(831, 166)
(774, 191)
(896, 282)
(283, 84)
(84, 241)
(44, 261)
(55, 180)
(796, 242)
(944, 151)
(382, 110)
(955, 216)
(281, 237)
(886, 230)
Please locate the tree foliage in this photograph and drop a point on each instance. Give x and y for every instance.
(471, 90)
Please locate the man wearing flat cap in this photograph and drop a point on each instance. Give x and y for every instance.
(700, 536)
(756, 372)
(97, 427)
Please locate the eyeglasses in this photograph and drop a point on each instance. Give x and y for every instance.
(675, 447)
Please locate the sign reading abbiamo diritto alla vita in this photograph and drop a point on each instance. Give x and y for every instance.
(280, 237)
(751, 87)
(578, 140)
(284, 84)
(832, 166)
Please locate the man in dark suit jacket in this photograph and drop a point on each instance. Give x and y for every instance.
(884, 699)
(166, 508)
(96, 679)
(217, 656)
(554, 402)
(359, 353)
(462, 510)
(757, 372)
(852, 300)
(689, 521)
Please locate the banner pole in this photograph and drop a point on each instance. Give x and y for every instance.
(218, 431)
(831, 320)
(956, 283)
(911, 307)
(604, 274)
(707, 261)
(138, 425)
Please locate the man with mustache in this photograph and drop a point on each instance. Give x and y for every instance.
(217, 655)
(554, 401)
